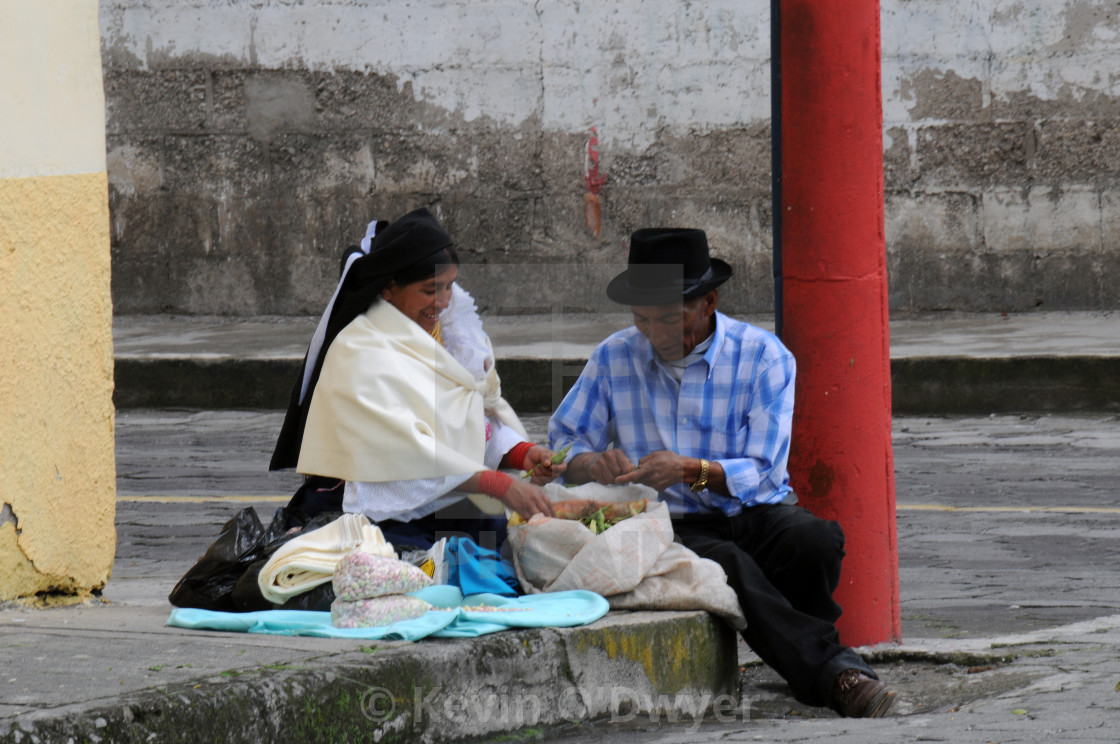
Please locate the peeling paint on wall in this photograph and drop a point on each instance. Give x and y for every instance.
(249, 142)
(57, 480)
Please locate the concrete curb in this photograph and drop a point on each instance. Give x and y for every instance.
(967, 385)
(666, 663)
(920, 385)
(209, 384)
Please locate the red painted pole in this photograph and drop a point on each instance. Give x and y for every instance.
(834, 284)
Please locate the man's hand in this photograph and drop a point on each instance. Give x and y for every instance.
(527, 499)
(601, 467)
(659, 470)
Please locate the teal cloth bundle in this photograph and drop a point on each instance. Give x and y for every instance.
(453, 616)
(478, 570)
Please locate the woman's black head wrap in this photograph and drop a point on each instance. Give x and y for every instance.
(409, 240)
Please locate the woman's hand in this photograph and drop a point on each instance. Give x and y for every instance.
(527, 499)
(538, 461)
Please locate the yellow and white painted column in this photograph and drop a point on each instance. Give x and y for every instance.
(57, 474)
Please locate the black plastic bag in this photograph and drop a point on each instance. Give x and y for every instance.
(224, 578)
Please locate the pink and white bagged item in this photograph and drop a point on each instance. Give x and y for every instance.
(371, 613)
(361, 575)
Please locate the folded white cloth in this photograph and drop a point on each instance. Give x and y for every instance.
(307, 561)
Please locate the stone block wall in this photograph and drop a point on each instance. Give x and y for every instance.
(249, 142)
(1000, 132)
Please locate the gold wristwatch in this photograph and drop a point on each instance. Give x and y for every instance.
(701, 482)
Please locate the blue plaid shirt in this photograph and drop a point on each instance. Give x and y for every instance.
(733, 406)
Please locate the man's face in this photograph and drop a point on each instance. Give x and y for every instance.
(674, 330)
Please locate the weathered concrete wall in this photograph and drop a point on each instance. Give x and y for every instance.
(57, 474)
(250, 141)
(1003, 173)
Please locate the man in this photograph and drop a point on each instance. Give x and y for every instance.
(699, 406)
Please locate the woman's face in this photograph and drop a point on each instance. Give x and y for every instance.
(423, 301)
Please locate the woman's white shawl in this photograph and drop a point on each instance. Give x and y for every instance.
(392, 404)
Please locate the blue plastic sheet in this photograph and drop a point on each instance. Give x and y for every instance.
(451, 618)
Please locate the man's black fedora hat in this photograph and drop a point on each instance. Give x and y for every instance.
(667, 264)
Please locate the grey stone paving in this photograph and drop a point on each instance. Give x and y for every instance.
(1024, 569)
(1020, 562)
(1009, 535)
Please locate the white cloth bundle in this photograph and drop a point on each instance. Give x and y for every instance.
(307, 561)
(635, 564)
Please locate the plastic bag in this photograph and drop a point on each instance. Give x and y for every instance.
(225, 577)
(635, 564)
(430, 561)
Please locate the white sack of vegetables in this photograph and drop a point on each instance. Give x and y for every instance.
(633, 562)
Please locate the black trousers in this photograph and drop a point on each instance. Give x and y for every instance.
(462, 519)
(319, 494)
(784, 564)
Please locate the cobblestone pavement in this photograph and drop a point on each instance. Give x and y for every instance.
(1009, 536)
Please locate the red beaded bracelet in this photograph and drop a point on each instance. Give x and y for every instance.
(516, 456)
(493, 483)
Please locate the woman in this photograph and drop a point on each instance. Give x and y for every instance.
(399, 410)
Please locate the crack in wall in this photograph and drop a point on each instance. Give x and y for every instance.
(46, 589)
(8, 515)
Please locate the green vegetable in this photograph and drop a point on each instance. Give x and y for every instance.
(557, 458)
(597, 522)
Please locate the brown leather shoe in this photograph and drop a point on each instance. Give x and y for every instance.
(855, 695)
